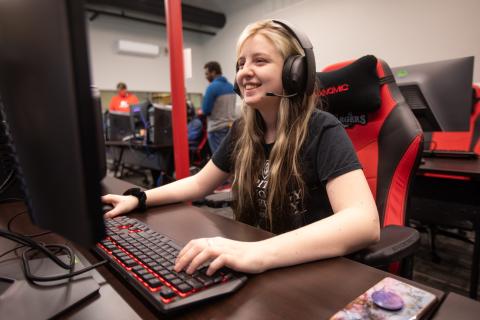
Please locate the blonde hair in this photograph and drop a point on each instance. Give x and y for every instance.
(291, 130)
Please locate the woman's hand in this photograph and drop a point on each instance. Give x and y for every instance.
(121, 204)
(240, 256)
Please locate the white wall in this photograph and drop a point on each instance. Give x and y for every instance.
(399, 31)
(140, 73)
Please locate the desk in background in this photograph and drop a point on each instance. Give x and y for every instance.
(458, 307)
(452, 193)
(453, 166)
(155, 157)
(313, 290)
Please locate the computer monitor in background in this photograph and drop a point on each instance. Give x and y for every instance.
(439, 93)
(160, 131)
(119, 126)
(45, 88)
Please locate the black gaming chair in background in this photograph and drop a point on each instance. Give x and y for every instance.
(388, 140)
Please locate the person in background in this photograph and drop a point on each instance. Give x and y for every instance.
(218, 105)
(123, 100)
(195, 128)
(295, 172)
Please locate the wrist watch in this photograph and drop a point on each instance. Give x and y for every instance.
(140, 195)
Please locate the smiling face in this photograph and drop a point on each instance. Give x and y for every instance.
(260, 71)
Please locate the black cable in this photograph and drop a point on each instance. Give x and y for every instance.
(8, 181)
(12, 200)
(32, 244)
(71, 256)
(34, 235)
(10, 221)
(46, 250)
(6, 152)
(8, 251)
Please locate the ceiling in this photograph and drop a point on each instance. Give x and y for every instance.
(197, 16)
(223, 6)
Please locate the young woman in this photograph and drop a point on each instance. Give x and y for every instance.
(295, 172)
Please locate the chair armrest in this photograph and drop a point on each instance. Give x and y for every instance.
(396, 243)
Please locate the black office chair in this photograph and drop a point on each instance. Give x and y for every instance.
(388, 140)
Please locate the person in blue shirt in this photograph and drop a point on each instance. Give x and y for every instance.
(218, 105)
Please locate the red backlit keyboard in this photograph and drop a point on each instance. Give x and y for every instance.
(145, 258)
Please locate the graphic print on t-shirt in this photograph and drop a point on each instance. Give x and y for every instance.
(295, 197)
(261, 190)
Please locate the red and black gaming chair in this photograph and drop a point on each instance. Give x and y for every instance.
(388, 140)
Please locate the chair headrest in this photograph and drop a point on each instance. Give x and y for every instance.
(351, 87)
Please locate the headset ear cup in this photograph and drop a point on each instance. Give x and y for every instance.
(236, 88)
(294, 74)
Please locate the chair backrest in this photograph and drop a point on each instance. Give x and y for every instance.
(199, 150)
(462, 141)
(385, 133)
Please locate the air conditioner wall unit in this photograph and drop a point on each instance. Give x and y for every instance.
(138, 48)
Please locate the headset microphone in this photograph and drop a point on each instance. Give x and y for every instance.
(271, 94)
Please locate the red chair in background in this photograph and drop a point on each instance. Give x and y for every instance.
(199, 150)
(462, 141)
(388, 140)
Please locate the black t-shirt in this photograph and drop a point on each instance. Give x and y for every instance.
(327, 153)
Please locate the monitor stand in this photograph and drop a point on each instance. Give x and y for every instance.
(21, 299)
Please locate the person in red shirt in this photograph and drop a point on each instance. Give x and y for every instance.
(123, 100)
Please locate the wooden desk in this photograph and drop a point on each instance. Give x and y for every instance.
(462, 167)
(310, 291)
(458, 307)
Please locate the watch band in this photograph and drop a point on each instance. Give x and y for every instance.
(140, 195)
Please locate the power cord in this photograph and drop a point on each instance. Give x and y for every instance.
(12, 219)
(50, 251)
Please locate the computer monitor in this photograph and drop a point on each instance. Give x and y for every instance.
(439, 93)
(160, 130)
(119, 126)
(45, 88)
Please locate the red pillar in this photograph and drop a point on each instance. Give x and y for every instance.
(173, 14)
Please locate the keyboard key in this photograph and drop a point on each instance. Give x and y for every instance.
(176, 281)
(194, 283)
(204, 279)
(169, 276)
(140, 272)
(167, 293)
(147, 276)
(184, 288)
(154, 283)
(130, 263)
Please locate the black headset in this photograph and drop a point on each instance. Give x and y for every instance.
(298, 75)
